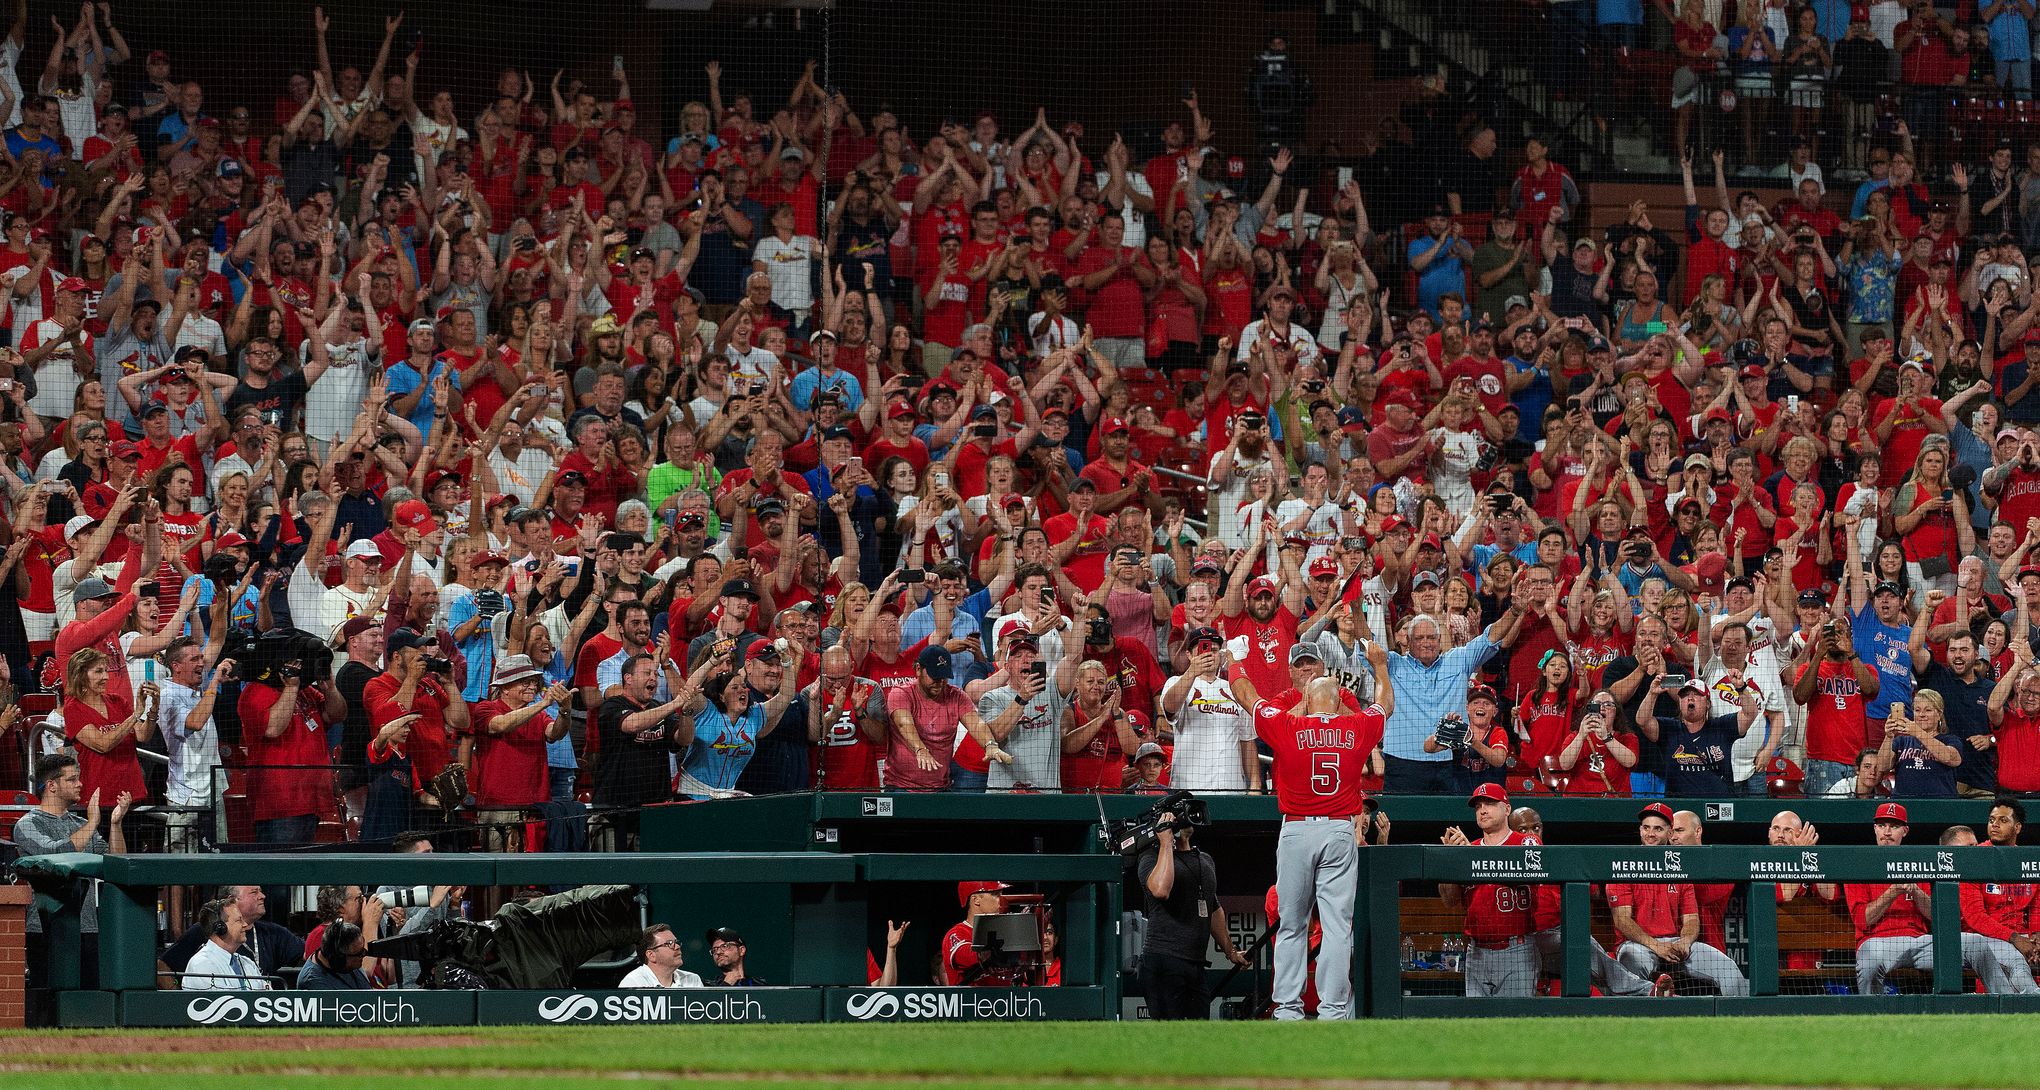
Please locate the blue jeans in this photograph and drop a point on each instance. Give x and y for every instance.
(560, 784)
(1403, 776)
(2016, 76)
(964, 780)
(1646, 785)
(1822, 775)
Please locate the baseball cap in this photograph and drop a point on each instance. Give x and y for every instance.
(1304, 651)
(1423, 577)
(723, 934)
(761, 650)
(1205, 565)
(1202, 635)
(1753, 371)
(966, 890)
(572, 476)
(1888, 587)
(1695, 684)
(900, 409)
(604, 325)
(935, 660)
(416, 515)
(1323, 565)
(1813, 598)
(1149, 749)
(2029, 569)
(740, 588)
(363, 550)
(1352, 419)
(152, 408)
(422, 325)
(1112, 426)
(1393, 523)
(1482, 692)
(1260, 585)
(490, 557)
(78, 525)
(73, 283)
(984, 412)
(1083, 484)
(229, 540)
(125, 448)
(410, 637)
(1892, 812)
(1488, 792)
(1515, 301)
(355, 626)
(1282, 289)
(229, 168)
(1656, 810)
(1700, 461)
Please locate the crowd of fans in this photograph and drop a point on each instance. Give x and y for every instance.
(431, 454)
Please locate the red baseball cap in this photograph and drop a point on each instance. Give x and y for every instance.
(1488, 792)
(72, 283)
(1656, 810)
(1113, 424)
(1393, 523)
(229, 540)
(1892, 812)
(900, 409)
(489, 558)
(1262, 585)
(1753, 371)
(416, 515)
(966, 890)
(1323, 565)
(1012, 499)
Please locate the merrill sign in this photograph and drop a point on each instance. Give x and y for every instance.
(1805, 869)
(1668, 867)
(1902, 870)
(1508, 868)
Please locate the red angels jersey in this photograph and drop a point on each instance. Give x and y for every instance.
(1997, 910)
(959, 960)
(1319, 758)
(1497, 913)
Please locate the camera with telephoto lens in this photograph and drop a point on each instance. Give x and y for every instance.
(436, 665)
(1135, 835)
(406, 897)
(266, 658)
(223, 570)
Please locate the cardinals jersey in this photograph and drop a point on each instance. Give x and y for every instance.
(1268, 644)
(1319, 758)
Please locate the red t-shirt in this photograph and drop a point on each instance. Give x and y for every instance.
(112, 772)
(430, 747)
(1836, 729)
(846, 759)
(288, 774)
(1268, 644)
(1117, 307)
(2018, 741)
(1086, 566)
(510, 768)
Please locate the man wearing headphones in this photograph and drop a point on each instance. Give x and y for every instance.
(216, 967)
(338, 966)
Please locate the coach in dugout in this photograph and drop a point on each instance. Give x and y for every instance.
(1660, 921)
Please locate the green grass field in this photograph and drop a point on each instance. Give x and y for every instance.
(1894, 1050)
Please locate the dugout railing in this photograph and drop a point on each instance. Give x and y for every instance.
(805, 917)
(1394, 872)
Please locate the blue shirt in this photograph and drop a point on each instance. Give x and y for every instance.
(404, 378)
(479, 648)
(1883, 646)
(1628, 12)
(1424, 694)
(1446, 272)
(809, 382)
(1915, 774)
(559, 753)
(2011, 35)
(1531, 400)
(920, 625)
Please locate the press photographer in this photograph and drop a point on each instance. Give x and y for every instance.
(1179, 887)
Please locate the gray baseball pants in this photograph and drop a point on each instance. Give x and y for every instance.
(1316, 863)
(1702, 960)
(1505, 971)
(1877, 957)
(1607, 972)
(1998, 964)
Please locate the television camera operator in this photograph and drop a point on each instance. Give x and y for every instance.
(1179, 885)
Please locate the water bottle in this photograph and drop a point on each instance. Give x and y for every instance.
(1409, 953)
